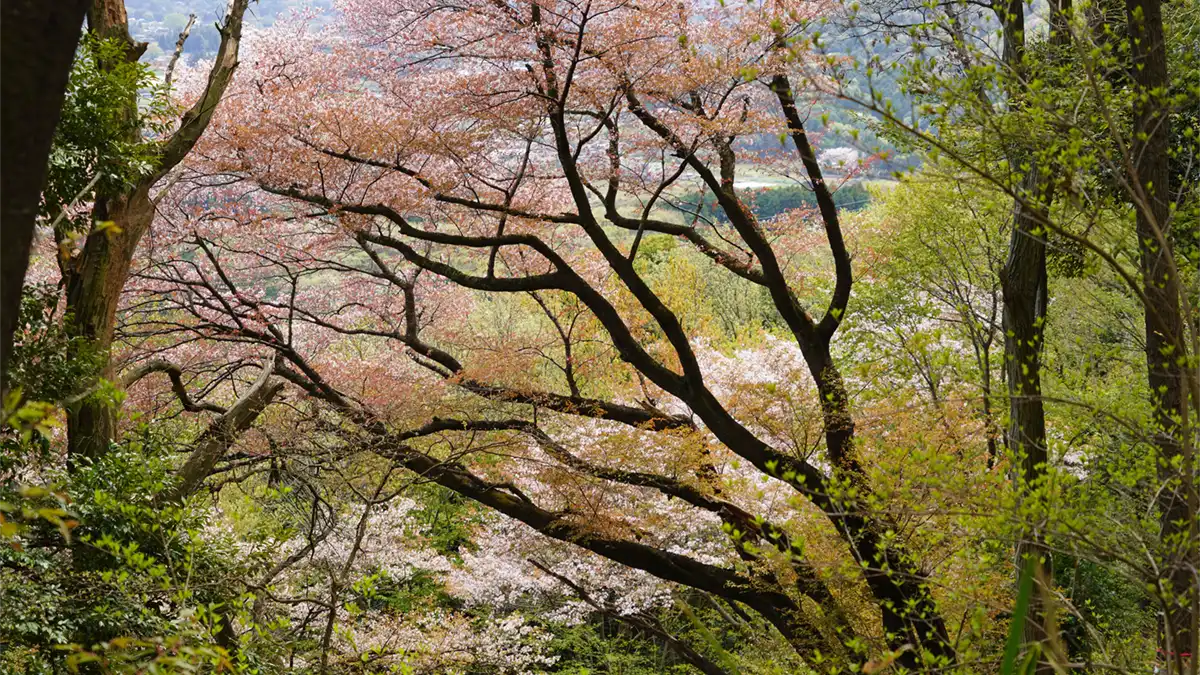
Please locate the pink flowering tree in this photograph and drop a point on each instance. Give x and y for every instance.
(436, 221)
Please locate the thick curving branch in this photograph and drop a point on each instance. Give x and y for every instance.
(175, 373)
(843, 273)
(775, 606)
(222, 433)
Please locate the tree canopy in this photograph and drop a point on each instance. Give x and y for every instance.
(614, 337)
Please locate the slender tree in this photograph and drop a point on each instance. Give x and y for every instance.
(1025, 286)
(1170, 359)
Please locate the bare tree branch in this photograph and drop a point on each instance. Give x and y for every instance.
(222, 433)
(176, 375)
(183, 36)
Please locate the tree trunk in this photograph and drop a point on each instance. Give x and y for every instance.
(94, 287)
(1165, 339)
(1025, 299)
(38, 47)
(108, 19)
(1024, 287)
(98, 274)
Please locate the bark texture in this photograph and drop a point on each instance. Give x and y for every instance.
(35, 57)
(1164, 324)
(222, 433)
(1024, 288)
(96, 276)
(1025, 297)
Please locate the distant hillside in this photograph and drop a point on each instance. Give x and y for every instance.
(834, 122)
(159, 22)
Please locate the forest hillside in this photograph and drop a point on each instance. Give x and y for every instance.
(591, 337)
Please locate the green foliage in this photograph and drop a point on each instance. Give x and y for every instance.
(100, 145)
(710, 301)
(141, 585)
(36, 506)
(935, 290)
(608, 647)
(47, 366)
(138, 583)
(173, 654)
(48, 363)
(445, 518)
(418, 592)
(934, 298)
(1012, 649)
(1108, 601)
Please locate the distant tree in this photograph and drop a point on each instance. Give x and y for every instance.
(767, 203)
(517, 182)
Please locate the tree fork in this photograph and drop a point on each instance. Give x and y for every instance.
(95, 278)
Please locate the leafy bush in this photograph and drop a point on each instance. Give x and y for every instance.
(137, 582)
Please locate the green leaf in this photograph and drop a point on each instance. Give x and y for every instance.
(1008, 666)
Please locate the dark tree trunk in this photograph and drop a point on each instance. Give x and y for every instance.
(1024, 287)
(39, 44)
(1165, 339)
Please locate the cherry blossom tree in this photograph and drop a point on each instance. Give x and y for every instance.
(383, 206)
